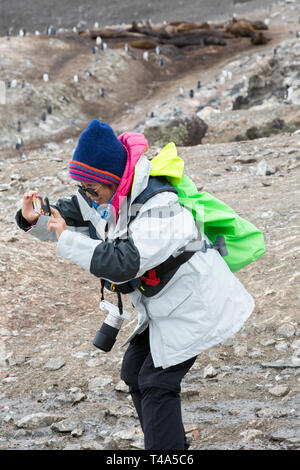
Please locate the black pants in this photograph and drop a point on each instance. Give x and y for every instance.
(156, 395)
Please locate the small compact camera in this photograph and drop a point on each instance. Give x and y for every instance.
(41, 205)
(106, 337)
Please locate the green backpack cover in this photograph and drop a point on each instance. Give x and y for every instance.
(244, 242)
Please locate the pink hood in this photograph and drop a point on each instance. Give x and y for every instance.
(135, 145)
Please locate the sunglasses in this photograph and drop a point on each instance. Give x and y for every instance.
(90, 191)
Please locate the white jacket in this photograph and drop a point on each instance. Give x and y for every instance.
(202, 305)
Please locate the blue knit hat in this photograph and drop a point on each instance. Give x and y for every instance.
(99, 156)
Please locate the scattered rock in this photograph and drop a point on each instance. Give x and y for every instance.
(68, 425)
(281, 364)
(255, 352)
(119, 411)
(38, 420)
(283, 434)
(4, 332)
(286, 330)
(99, 382)
(268, 342)
(282, 346)
(189, 390)
(180, 129)
(296, 344)
(126, 434)
(95, 362)
(251, 434)
(122, 387)
(260, 169)
(279, 390)
(91, 445)
(55, 363)
(240, 350)
(209, 371)
(78, 431)
(9, 379)
(15, 360)
(76, 395)
(266, 412)
(206, 113)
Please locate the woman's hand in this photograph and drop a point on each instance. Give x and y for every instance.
(57, 222)
(28, 211)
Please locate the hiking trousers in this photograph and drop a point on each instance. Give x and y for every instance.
(156, 395)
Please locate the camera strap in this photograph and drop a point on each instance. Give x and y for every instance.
(113, 288)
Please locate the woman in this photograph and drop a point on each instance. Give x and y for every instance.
(127, 227)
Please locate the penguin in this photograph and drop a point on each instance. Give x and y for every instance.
(50, 109)
(95, 49)
(96, 25)
(13, 83)
(74, 29)
(88, 73)
(198, 85)
(126, 47)
(19, 126)
(101, 92)
(63, 99)
(152, 114)
(19, 143)
(191, 93)
(288, 94)
(75, 78)
(181, 91)
(44, 116)
(50, 31)
(298, 34)
(103, 46)
(161, 62)
(22, 32)
(157, 50)
(98, 40)
(146, 56)
(46, 77)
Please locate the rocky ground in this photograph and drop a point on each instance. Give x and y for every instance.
(58, 391)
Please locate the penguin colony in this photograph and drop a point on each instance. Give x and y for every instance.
(242, 27)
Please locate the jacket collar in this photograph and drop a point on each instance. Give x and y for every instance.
(135, 144)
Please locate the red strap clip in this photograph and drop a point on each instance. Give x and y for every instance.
(152, 280)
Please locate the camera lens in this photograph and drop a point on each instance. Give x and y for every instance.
(105, 337)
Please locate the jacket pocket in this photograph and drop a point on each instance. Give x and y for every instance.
(164, 305)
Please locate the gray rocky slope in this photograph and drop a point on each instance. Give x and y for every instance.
(59, 392)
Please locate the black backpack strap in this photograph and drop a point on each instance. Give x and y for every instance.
(156, 185)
